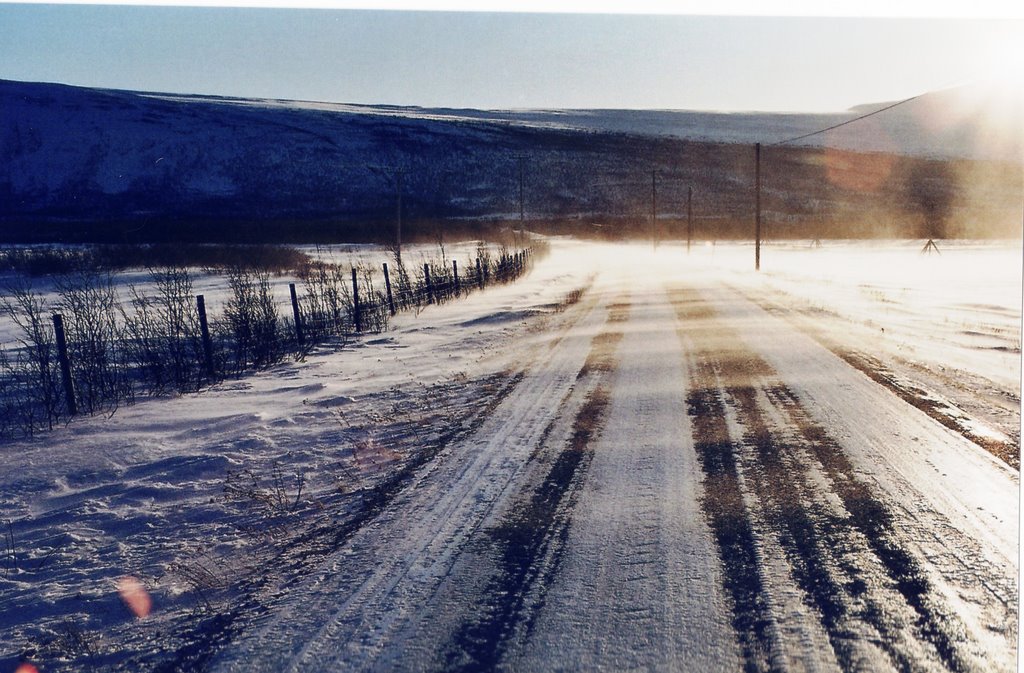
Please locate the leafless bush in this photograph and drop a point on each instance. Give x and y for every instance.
(153, 343)
(162, 334)
(271, 503)
(42, 261)
(90, 306)
(200, 575)
(252, 320)
(276, 493)
(31, 373)
(72, 641)
(483, 256)
(374, 313)
(326, 301)
(8, 396)
(401, 284)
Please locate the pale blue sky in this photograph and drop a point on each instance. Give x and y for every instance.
(500, 60)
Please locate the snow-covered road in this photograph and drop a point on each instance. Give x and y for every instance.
(681, 482)
(679, 470)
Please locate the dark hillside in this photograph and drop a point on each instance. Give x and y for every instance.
(82, 164)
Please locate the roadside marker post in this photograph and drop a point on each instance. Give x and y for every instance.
(299, 336)
(387, 286)
(65, 363)
(204, 329)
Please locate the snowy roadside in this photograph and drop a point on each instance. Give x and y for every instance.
(193, 496)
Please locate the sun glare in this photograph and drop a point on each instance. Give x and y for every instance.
(1005, 66)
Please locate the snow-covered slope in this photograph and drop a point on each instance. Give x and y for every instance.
(70, 153)
(967, 122)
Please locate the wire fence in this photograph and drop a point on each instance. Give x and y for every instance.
(89, 352)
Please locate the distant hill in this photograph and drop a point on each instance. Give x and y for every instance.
(966, 122)
(92, 163)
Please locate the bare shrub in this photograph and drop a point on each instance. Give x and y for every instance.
(272, 503)
(273, 493)
(44, 261)
(90, 306)
(32, 373)
(441, 279)
(401, 284)
(71, 641)
(162, 333)
(483, 256)
(143, 343)
(9, 553)
(41, 261)
(373, 303)
(8, 397)
(200, 575)
(252, 320)
(327, 300)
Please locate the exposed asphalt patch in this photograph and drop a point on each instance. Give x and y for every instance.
(723, 506)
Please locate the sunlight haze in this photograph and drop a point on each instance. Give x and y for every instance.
(495, 60)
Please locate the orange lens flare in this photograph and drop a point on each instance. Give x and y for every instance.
(26, 668)
(135, 596)
(860, 172)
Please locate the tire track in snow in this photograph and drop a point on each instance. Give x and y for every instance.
(942, 410)
(345, 616)
(722, 500)
(848, 559)
(954, 507)
(638, 587)
(529, 540)
(310, 547)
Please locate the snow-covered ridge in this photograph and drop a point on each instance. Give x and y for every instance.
(963, 122)
(77, 154)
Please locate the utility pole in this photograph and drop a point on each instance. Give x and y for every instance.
(689, 217)
(399, 172)
(654, 209)
(757, 219)
(521, 216)
(395, 173)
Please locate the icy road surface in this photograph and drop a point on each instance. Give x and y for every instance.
(680, 481)
(685, 467)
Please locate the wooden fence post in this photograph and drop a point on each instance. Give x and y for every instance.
(65, 363)
(299, 336)
(757, 207)
(479, 274)
(689, 217)
(204, 329)
(356, 317)
(387, 285)
(455, 271)
(430, 286)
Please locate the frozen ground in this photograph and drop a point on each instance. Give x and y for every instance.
(213, 284)
(687, 466)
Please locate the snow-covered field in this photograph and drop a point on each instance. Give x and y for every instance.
(685, 466)
(214, 286)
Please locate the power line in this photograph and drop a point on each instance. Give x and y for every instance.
(848, 121)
